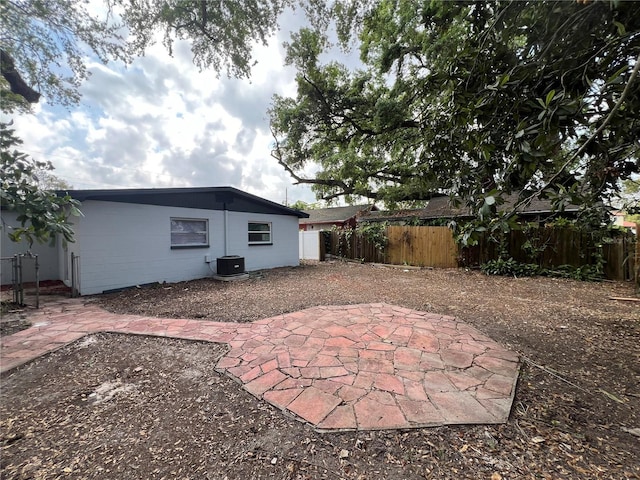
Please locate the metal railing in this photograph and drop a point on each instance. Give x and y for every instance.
(18, 263)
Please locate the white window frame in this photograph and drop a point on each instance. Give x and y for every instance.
(204, 244)
(262, 232)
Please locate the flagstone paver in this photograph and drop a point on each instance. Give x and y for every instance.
(355, 367)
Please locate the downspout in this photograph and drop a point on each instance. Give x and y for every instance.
(226, 230)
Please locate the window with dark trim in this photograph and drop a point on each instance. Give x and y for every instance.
(189, 232)
(260, 233)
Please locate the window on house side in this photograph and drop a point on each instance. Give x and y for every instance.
(189, 232)
(260, 233)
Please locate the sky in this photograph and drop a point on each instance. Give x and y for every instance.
(160, 122)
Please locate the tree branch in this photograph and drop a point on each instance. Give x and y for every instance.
(277, 154)
(614, 110)
(351, 121)
(13, 77)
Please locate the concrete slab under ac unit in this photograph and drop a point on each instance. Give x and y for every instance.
(231, 278)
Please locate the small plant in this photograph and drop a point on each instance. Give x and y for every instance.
(375, 233)
(585, 273)
(509, 266)
(344, 238)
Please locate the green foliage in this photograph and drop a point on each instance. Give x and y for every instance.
(300, 205)
(44, 50)
(473, 99)
(631, 199)
(41, 213)
(561, 222)
(344, 240)
(222, 34)
(45, 46)
(374, 232)
(538, 239)
(586, 273)
(535, 245)
(509, 267)
(631, 186)
(48, 42)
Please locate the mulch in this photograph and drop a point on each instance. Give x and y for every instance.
(115, 406)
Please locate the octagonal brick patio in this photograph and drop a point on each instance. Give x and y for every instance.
(375, 366)
(356, 367)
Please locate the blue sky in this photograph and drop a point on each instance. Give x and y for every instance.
(159, 122)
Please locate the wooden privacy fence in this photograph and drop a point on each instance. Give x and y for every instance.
(620, 258)
(422, 246)
(349, 244)
(552, 247)
(435, 247)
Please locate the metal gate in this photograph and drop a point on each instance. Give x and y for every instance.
(19, 262)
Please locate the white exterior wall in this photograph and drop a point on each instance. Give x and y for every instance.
(47, 255)
(122, 245)
(284, 234)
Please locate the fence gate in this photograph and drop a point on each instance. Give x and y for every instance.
(309, 245)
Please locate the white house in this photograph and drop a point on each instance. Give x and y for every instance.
(140, 236)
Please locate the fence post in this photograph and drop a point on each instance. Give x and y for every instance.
(637, 259)
(20, 282)
(37, 282)
(14, 278)
(73, 276)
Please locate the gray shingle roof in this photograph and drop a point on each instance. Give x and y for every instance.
(334, 214)
(440, 207)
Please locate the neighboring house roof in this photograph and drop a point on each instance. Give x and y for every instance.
(206, 198)
(440, 207)
(336, 214)
(619, 220)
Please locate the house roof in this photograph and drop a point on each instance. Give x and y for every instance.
(335, 214)
(206, 198)
(440, 207)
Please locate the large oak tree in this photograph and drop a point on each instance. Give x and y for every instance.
(472, 99)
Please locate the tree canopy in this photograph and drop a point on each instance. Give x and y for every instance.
(471, 99)
(42, 214)
(222, 34)
(46, 43)
(44, 48)
(475, 100)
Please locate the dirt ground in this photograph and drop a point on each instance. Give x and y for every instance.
(118, 407)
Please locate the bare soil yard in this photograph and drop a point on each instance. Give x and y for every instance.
(114, 406)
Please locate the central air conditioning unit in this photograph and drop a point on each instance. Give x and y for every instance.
(230, 265)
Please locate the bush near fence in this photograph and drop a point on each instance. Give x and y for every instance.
(435, 247)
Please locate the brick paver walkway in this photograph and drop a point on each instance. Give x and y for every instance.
(356, 367)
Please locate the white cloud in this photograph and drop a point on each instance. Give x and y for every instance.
(161, 122)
